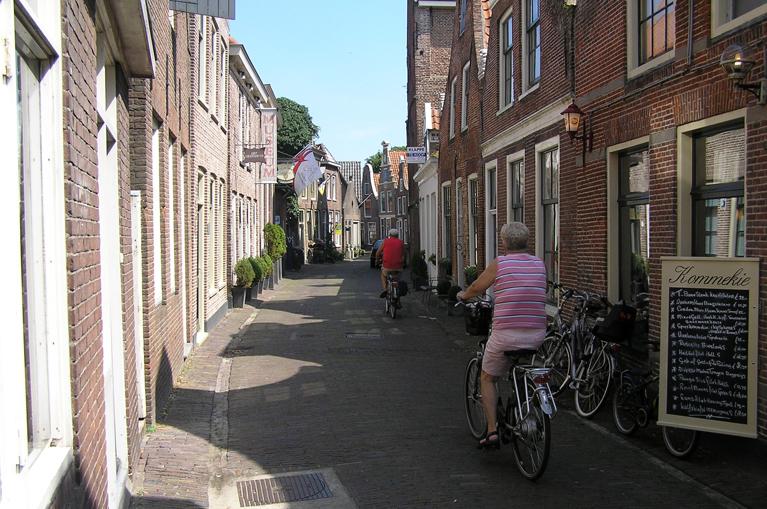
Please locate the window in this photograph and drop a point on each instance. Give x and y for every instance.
(533, 41)
(223, 65)
(491, 215)
(462, 16)
(221, 235)
(633, 223)
(210, 232)
(459, 241)
(507, 61)
(729, 14)
(37, 403)
(719, 215)
(473, 219)
(447, 245)
(213, 97)
(171, 217)
(156, 214)
(390, 201)
(516, 179)
(549, 165)
(465, 97)
(656, 28)
(452, 107)
(202, 57)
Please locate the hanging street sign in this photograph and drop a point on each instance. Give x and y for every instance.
(253, 155)
(416, 155)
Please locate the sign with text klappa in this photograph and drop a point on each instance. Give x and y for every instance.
(709, 333)
(416, 155)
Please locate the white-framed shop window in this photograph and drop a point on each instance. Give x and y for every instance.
(446, 226)
(172, 214)
(547, 207)
(156, 214)
(473, 218)
(36, 428)
(491, 212)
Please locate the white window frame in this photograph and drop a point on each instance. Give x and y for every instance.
(223, 82)
(445, 226)
(540, 148)
(502, 104)
(613, 213)
(685, 170)
(172, 166)
(718, 13)
(465, 96)
(458, 213)
(527, 88)
(156, 213)
(202, 58)
(452, 107)
(41, 472)
(213, 89)
(511, 160)
(632, 44)
(473, 248)
(491, 214)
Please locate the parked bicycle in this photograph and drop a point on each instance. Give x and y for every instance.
(635, 399)
(391, 302)
(578, 359)
(524, 415)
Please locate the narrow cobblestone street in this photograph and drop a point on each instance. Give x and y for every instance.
(284, 388)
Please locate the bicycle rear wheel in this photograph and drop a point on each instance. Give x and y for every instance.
(680, 442)
(530, 439)
(594, 381)
(625, 406)
(555, 354)
(475, 415)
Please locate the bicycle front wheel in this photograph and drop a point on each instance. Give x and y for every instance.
(593, 382)
(392, 307)
(555, 354)
(680, 442)
(531, 440)
(475, 414)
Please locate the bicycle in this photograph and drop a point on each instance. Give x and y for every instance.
(391, 302)
(635, 401)
(524, 419)
(578, 359)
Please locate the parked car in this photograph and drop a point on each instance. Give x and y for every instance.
(373, 251)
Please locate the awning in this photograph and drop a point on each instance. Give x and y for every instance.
(132, 20)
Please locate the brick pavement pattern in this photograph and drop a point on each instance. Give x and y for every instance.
(386, 414)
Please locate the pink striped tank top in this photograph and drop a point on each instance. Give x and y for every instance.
(520, 292)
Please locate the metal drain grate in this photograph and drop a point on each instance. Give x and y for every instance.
(362, 335)
(276, 490)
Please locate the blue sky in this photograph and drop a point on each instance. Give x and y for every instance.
(343, 59)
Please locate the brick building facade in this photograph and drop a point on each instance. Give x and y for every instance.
(369, 206)
(429, 29)
(104, 275)
(678, 153)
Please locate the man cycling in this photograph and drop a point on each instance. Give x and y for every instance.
(391, 255)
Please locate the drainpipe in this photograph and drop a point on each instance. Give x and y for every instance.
(690, 16)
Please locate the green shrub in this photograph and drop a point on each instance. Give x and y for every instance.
(263, 266)
(244, 272)
(274, 236)
(471, 272)
(257, 270)
(268, 264)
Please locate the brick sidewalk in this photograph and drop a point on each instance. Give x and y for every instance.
(294, 391)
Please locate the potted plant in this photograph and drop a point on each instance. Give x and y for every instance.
(443, 287)
(419, 270)
(471, 274)
(269, 265)
(445, 267)
(258, 275)
(264, 270)
(244, 273)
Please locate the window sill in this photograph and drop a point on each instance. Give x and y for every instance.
(504, 109)
(202, 103)
(223, 127)
(530, 91)
(214, 118)
(652, 64)
(44, 476)
(749, 18)
(464, 128)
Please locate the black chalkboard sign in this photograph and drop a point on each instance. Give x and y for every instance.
(707, 354)
(709, 321)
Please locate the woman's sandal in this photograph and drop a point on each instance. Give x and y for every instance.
(489, 442)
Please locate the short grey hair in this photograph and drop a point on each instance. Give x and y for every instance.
(514, 236)
(394, 232)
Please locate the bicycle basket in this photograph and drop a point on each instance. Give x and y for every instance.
(618, 325)
(478, 320)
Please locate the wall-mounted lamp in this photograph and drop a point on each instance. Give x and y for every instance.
(573, 116)
(737, 67)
